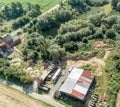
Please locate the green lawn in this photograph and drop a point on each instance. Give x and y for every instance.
(45, 4)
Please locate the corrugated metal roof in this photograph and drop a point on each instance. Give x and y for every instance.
(87, 80)
(83, 84)
(80, 89)
(88, 75)
(77, 83)
(75, 73)
(77, 94)
(68, 85)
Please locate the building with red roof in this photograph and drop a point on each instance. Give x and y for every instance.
(77, 83)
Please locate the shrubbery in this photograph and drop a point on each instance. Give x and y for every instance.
(116, 4)
(11, 72)
(113, 67)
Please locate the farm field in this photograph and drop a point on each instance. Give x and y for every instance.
(12, 98)
(45, 4)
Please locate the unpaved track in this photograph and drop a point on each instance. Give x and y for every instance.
(12, 98)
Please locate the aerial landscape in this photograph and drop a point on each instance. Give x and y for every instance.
(60, 53)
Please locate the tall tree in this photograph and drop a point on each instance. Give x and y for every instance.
(114, 3)
(7, 12)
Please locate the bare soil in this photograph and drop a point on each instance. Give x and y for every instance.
(100, 63)
(118, 100)
(13, 98)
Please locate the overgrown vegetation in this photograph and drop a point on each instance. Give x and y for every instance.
(13, 74)
(38, 47)
(115, 4)
(74, 35)
(113, 68)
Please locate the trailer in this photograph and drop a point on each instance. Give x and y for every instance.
(56, 75)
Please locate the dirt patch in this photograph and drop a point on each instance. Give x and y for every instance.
(93, 62)
(118, 100)
(11, 98)
(100, 63)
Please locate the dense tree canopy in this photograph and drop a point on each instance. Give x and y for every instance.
(39, 47)
(115, 4)
(13, 11)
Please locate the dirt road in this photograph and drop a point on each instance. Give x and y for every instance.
(13, 98)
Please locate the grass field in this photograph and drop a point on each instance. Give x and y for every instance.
(45, 4)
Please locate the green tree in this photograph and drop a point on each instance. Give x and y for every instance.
(16, 9)
(71, 47)
(7, 12)
(118, 6)
(33, 13)
(25, 53)
(37, 7)
(56, 52)
(110, 34)
(84, 40)
(114, 3)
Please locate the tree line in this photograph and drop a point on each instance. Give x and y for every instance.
(12, 11)
(22, 14)
(31, 12)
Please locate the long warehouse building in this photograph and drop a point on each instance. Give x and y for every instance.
(77, 83)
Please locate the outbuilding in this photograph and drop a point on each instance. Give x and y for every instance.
(77, 83)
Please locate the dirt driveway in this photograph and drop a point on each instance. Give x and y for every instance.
(13, 98)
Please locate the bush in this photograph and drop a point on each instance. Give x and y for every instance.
(84, 40)
(71, 47)
(113, 66)
(110, 34)
(12, 73)
(118, 6)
